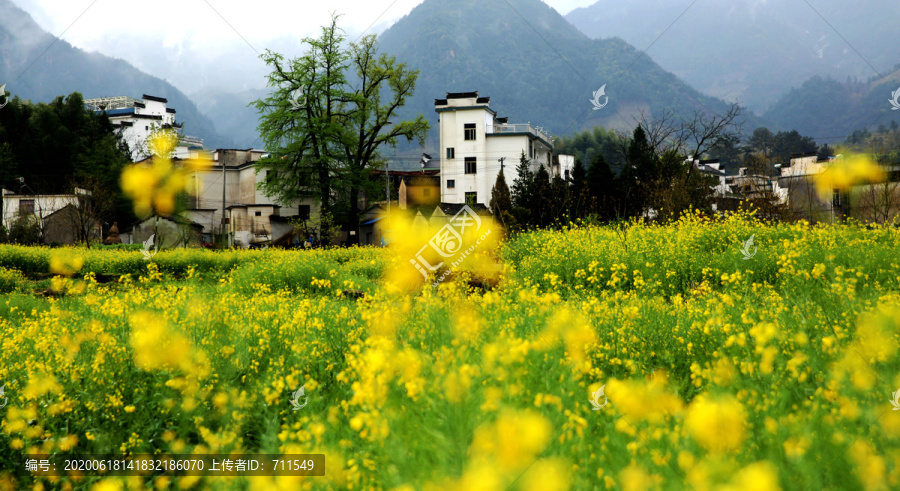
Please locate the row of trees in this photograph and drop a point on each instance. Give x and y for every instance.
(648, 178)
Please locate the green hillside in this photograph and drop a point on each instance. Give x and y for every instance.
(64, 69)
(534, 65)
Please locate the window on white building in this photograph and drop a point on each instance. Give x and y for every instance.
(470, 165)
(470, 131)
(451, 153)
(451, 183)
(471, 198)
(26, 206)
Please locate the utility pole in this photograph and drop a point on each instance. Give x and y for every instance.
(224, 233)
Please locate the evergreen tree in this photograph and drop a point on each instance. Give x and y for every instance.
(542, 197)
(523, 193)
(641, 168)
(501, 202)
(579, 195)
(559, 201)
(600, 187)
(522, 185)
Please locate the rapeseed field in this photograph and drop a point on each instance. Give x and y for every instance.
(628, 357)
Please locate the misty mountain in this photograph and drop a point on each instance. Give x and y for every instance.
(534, 65)
(829, 109)
(753, 51)
(232, 115)
(32, 71)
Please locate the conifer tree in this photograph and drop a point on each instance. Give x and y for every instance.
(579, 196)
(601, 188)
(523, 193)
(501, 202)
(542, 198)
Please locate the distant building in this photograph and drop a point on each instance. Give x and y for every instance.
(167, 232)
(62, 218)
(135, 119)
(420, 190)
(473, 141)
(872, 202)
(250, 216)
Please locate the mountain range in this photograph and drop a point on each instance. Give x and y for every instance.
(542, 68)
(36, 66)
(754, 51)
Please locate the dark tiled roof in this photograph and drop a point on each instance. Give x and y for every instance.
(461, 95)
(422, 180)
(154, 98)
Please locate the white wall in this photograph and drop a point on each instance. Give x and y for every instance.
(487, 148)
(44, 205)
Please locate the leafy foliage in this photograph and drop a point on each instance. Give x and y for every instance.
(324, 141)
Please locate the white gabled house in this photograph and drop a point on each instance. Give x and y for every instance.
(136, 119)
(474, 140)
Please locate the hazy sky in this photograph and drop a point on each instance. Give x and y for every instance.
(184, 41)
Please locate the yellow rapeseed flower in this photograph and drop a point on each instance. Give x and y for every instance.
(718, 424)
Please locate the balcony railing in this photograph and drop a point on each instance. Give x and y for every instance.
(519, 128)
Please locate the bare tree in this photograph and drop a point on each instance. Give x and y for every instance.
(693, 137)
(706, 131)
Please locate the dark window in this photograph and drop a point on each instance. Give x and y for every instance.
(303, 212)
(269, 176)
(426, 192)
(451, 153)
(471, 198)
(26, 206)
(470, 131)
(451, 183)
(836, 198)
(567, 174)
(470, 165)
(259, 213)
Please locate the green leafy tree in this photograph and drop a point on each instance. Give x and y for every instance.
(325, 143)
(25, 230)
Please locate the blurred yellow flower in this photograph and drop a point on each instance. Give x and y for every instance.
(155, 186)
(514, 440)
(845, 173)
(719, 425)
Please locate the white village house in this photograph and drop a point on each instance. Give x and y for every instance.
(136, 119)
(473, 140)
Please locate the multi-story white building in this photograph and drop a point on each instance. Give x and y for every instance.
(475, 143)
(136, 119)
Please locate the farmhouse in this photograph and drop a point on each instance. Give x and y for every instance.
(476, 144)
